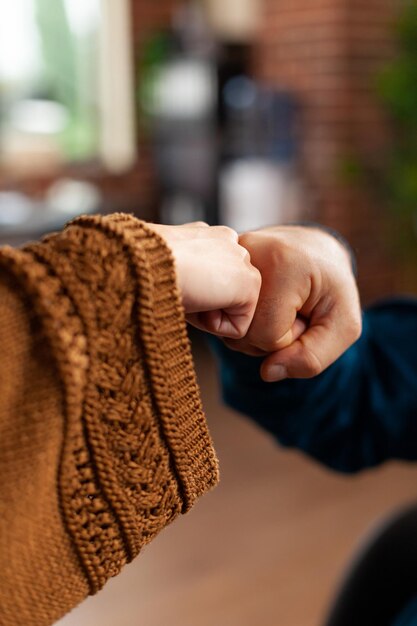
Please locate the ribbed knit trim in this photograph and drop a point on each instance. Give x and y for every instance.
(98, 511)
(168, 353)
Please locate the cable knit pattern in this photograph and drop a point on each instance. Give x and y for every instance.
(136, 449)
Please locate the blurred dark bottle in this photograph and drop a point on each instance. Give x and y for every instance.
(259, 185)
(184, 121)
(225, 147)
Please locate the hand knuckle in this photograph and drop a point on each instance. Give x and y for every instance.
(355, 327)
(266, 345)
(312, 365)
(243, 253)
(276, 254)
(240, 333)
(227, 232)
(257, 278)
(245, 239)
(243, 346)
(233, 344)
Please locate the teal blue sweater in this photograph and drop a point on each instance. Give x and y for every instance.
(359, 413)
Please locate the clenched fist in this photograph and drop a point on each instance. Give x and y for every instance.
(219, 285)
(308, 311)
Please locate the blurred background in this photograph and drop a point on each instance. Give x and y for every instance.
(247, 113)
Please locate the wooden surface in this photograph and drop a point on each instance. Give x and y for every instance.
(266, 547)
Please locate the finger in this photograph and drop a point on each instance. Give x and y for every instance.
(317, 348)
(298, 328)
(277, 310)
(281, 296)
(237, 318)
(233, 321)
(220, 324)
(195, 225)
(224, 232)
(244, 346)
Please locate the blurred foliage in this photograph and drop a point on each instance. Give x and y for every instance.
(153, 56)
(397, 89)
(69, 77)
(351, 170)
(58, 51)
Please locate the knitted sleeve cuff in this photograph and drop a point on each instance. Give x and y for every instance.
(162, 328)
(137, 450)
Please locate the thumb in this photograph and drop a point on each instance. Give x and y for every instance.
(306, 357)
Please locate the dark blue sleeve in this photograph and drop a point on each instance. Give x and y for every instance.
(408, 616)
(358, 413)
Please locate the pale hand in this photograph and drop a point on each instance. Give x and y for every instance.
(219, 285)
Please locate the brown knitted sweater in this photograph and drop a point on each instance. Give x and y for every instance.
(103, 441)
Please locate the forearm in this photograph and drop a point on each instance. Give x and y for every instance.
(101, 427)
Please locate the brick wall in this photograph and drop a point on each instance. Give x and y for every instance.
(328, 52)
(149, 16)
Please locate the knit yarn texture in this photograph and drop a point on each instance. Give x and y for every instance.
(103, 440)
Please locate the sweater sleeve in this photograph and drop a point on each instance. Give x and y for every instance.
(103, 440)
(358, 413)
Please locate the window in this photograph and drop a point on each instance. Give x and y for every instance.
(66, 84)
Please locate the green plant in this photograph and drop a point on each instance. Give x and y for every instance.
(397, 89)
(153, 56)
(68, 71)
